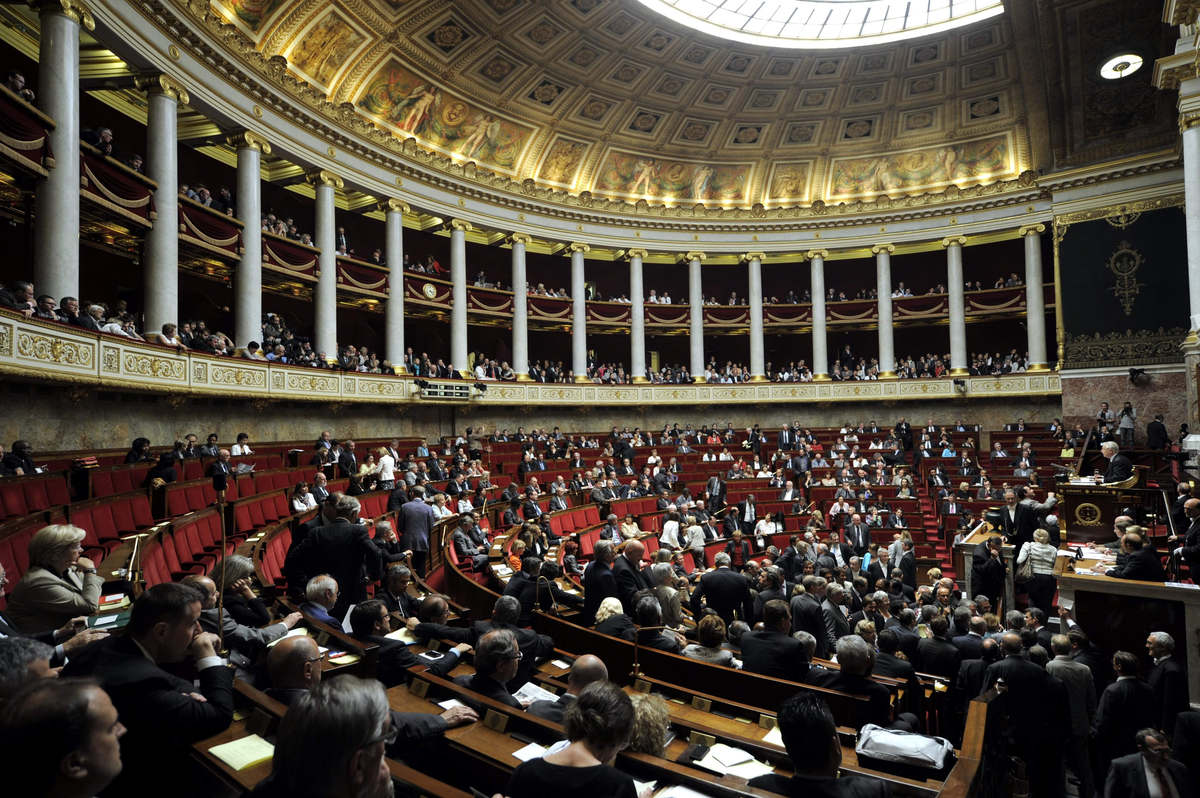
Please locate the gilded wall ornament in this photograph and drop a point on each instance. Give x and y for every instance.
(1124, 264)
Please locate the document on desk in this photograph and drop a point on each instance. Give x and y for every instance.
(725, 759)
(774, 737)
(245, 752)
(291, 633)
(534, 692)
(403, 635)
(678, 791)
(531, 751)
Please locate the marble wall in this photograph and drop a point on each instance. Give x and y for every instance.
(59, 418)
(1166, 393)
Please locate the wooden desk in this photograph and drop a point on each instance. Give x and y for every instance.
(964, 555)
(1118, 614)
(1087, 511)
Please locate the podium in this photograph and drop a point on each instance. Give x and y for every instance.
(1088, 510)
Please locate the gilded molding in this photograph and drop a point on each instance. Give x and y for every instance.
(71, 9)
(882, 248)
(1031, 230)
(165, 85)
(394, 205)
(1181, 12)
(576, 246)
(759, 256)
(694, 256)
(954, 241)
(1128, 348)
(1188, 120)
(324, 177)
(520, 238)
(249, 140)
(1064, 220)
(630, 254)
(461, 225)
(813, 254)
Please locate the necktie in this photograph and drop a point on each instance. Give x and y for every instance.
(1165, 787)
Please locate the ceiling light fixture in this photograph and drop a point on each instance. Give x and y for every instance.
(1120, 66)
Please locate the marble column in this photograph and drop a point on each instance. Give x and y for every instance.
(458, 296)
(578, 312)
(247, 280)
(520, 322)
(696, 300)
(958, 309)
(56, 233)
(757, 359)
(161, 269)
(637, 317)
(393, 256)
(883, 286)
(325, 296)
(1190, 125)
(820, 361)
(1035, 303)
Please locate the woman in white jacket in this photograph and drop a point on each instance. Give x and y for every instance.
(1042, 555)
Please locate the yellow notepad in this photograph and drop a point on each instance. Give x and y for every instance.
(345, 659)
(245, 752)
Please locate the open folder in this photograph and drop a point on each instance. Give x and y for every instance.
(245, 752)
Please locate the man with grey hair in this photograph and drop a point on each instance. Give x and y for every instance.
(245, 643)
(1166, 679)
(1081, 702)
(807, 615)
(497, 658)
(837, 617)
(1119, 466)
(320, 595)
(856, 660)
(22, 660)
(344, 550)
(416, 524)
(332, 742)
(724, 591)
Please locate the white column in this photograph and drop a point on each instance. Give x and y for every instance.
(1191, 195)
(696, 300)
(578, 312)
(958, 308)
(393, 256)
(1035, 302)
(325, 298)
(56, 236)
(161, 269)
(458, 295)
(637, 316)
(757, 357)
(820, 362)
(247, 281)
(520, 330)
(883, 285)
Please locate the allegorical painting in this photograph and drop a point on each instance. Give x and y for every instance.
(324, 48)
(982, 160)
(249, 14)
(637, 176)
(789, 181)
(562, 161)
(408, 104)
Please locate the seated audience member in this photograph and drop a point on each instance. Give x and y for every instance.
(139, 452)
(19, 460)
(163, 713)
(332, 742)
(1152, 764)
(388, 543)
(394, 592)
(534, 647)
(302, 498)
(236, 574)
(599, 724)
(66, 736)
(369, 623)
(651, 723)
(856, 660)
(1141, 560)
(611, 620)
(22, 660)
(320, 594)
(647, 613)
(772, 651)
(59, 584)
(430, 623)
(534, 591)
(163, 472)
(497, 658)
(811, 739)
(585, 670)
(245, 643)
(65, 640)
(710, 634)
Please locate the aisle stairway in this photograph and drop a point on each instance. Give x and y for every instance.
(929, 535)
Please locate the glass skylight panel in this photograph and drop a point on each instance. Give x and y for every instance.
(819, 24)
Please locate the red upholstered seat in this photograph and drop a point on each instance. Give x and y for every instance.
(12, 500)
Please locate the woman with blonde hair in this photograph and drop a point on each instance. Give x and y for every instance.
(1042, 557)
(651, 721)
(59, 584)
(611, 620)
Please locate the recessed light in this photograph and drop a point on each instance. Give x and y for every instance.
(1121, 66)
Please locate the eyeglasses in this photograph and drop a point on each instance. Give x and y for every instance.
(387, 738)
(517, 656)
(317, 658)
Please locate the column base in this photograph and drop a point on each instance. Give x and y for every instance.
(524, 377)
(1037, 368)
(887, 375)
(582, 378)
(821, 378)
(960, 373)
(400, 371)
(758, 378)
(699, 380)
(640, 381)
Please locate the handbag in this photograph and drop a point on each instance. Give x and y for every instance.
(905, 748)
(1025, 570)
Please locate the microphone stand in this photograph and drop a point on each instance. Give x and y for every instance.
(637, 646)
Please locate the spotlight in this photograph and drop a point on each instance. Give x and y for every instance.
(1138, 377)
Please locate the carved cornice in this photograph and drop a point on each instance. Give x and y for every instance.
(324, 177)
(1062, 221)
(249, 140)
(879, 249)
(954, 241)
(1128, 348)
(1181, 12)
(1188, 120)
(71, 9)
(1031, 230)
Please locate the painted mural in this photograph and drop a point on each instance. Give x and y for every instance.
(636, 176)
(322, 50)
(562, 161)
(985, 159)
(251, 13)
(407, 103)
(789, 181)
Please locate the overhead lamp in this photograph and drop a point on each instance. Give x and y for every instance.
(1121, 65)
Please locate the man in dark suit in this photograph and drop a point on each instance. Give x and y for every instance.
(627, 570)
(497, 657)
(598, 581)
(748, 513)
(1187, 744)
(969, 681)
(858, 537)
(988, 570)
(724, 591)
(906, 630)
(856, 659)
(1188, 549)
(369, 623)
(1126, 706)
(1167, 679)
(786, 441)
(716, 493)
(534, 647)
(344, 550)
(811, 739)
(936, 654)
(416, 525)
(1141, 560)
(163, 714)
(888, 663)
(807, 615)
(347, 461)
(837, 621)
(1119, 466)
(1156, 434)
(534, 591)
(908, 564)
(773, 651)
(1151, 768)
(584, 670)
(971, 643)
(394, 592)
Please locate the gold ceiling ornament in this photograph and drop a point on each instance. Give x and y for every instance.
(812, 254)
(396, 205)
(749, 256)
(1124, 217)
(71, 9)
(1031, 230)
(1124, 264)
(630, 254)
(249, 140)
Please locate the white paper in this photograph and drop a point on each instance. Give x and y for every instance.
(1187, 585)
(346, 627)
(451, 703)
(558, 663)
(531, 751)
(112, 598)
(403, 635)
(1066, 603)
(750, 770)
(530, 692)
(291, 633)
(774, 737)
(679, 791)
(105, 620)
(641, 786)
(727, 755)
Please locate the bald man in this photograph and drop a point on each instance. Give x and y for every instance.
(627, 569)
(585, 670)
(245, 643)
(1189, 550)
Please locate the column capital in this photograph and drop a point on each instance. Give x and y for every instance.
(576, 246)
(630, 254)
(691, 256)
(1188, 119)
(759, 256)
(520, 238)
(954, 241)
(394, 205)
(1031, 230)
(816, 253)
(881, 248)
(158, 83)
(71, 9)
(323, 177)
(249, 140)
(459, 224)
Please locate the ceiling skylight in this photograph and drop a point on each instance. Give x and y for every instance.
(822, 24)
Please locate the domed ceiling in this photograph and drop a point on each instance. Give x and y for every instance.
(610, 99)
